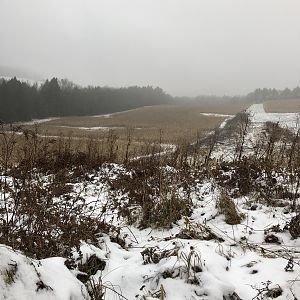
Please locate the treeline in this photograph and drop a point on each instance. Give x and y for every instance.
(257, 96)
(261, 95)
(21, 101)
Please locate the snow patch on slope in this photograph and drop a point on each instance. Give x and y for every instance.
(258, 116)
(28, 279)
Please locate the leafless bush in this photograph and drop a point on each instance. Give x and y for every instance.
(97, 290)
(38, 216)
(197, 231)
(228, 208)
(265, 291)
(294, 226)
(154, 193)
(240, 134)
(33, 221)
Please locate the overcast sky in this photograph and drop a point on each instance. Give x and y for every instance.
(187, 47)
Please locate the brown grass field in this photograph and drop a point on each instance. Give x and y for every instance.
(127, 134)
(282, 106)
(168, 123)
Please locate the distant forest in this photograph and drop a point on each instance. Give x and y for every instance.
(257, 96)
(21, 101)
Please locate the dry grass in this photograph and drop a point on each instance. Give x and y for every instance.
(282, 106)
(228, 208)
(169, 123)
(133, 133)
(100, 144)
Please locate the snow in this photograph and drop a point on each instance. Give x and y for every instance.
(216, 115)
(259, 116)
(119, 112)
(20, 275)
(223, 124)
(240, 261)
(226, 116)
(104, 128)
(224, 268)
(38, 121)
(165, 149)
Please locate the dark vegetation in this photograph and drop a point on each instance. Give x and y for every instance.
(21, 101)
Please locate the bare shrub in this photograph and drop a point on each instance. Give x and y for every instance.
(294, 226)
(169, 209)
(240, 134)
(155, 255)
(197, 231)
(97, 290)
(153, 192)
(42, 226)
(227, 207)
(38, 216)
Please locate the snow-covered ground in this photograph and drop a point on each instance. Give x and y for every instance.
(223, 124)
(236, 262)
(259, 116)
(28, 279)
(104, 128)
(237, 265)
(37, 121)
(119, 112)
(216, 115)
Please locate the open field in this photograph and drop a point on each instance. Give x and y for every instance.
(129, 134)
(282, 106)
(108, 145)
(168, 123)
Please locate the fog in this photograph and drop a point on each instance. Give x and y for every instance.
(187, 47)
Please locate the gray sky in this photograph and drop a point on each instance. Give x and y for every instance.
(187, 47)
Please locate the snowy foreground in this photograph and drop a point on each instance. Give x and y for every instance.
(200, 257)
